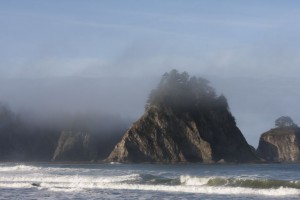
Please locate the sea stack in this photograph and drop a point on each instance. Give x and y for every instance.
(184, 121)
(280, 144)
(75, 146)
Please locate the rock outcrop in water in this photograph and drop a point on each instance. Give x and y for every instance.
(184, 121)
(75, 146)
(280, 145)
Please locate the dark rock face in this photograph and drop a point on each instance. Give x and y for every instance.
(23, 142)
(162, 135)
(185, 121)
(280, 145)
(27, 147)
(75, 146)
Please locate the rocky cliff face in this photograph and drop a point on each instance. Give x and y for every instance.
(163, 135)
(75, 146)
(280, 144)
(184, 121)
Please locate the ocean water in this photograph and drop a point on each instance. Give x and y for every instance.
(149, 181)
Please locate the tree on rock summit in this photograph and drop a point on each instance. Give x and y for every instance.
(184, 93)
(284, 121)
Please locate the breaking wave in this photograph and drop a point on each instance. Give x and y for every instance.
(237, 182)
(49, 179)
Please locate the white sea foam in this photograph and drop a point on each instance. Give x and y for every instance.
(190, 180)
(18, 168)
(15, 185)
(69, 179)
(31, 169)
(114, 163)
(178, 188)
(79, 185)
(55, 182)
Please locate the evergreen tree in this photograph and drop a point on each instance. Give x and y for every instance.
(285, 121)
(185, 93)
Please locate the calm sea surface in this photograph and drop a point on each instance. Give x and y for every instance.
(149, 181)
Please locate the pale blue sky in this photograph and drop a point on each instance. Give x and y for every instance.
(98, 32)
(250, 50)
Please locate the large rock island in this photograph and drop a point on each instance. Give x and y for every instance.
(281, 144)
(184, 121)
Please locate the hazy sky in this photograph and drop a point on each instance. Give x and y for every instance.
(108, 55)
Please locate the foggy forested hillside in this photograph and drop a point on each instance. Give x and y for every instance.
(25, 137)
